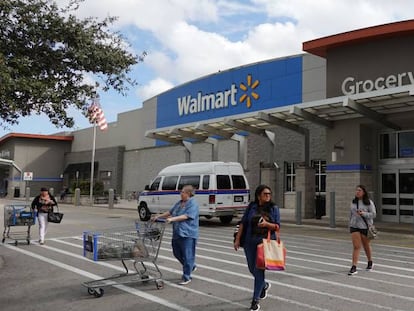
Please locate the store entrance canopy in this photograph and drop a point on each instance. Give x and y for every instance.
(10, 163)
(375, 105)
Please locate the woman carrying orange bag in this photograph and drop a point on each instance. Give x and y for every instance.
(261, 215)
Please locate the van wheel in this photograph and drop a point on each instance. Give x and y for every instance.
(143, 212)
(226, 219)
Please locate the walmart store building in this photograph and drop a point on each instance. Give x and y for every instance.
(322, 122)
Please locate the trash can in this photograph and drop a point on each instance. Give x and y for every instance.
(320, 204)
(16, 192)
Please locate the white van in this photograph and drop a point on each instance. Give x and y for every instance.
(222, 189)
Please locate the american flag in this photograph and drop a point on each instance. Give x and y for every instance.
(96, 114)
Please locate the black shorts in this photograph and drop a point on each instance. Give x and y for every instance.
(362, 231)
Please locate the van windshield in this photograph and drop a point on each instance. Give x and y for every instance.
(155, 184)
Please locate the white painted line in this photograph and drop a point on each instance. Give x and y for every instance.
(342, 259)
(199, 277)
(130, 290)
(348, 299)
(384, 256)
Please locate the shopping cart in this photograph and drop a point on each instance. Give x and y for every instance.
(140, 245)
(17, 216)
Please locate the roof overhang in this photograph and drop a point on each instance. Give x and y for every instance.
(10, 163)
(375, 106)
(321, 46)
(36, 136)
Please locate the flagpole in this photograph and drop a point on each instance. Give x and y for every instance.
(92, 163)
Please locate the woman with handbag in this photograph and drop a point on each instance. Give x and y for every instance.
(44, 204)
(261, 215)
(361, 218)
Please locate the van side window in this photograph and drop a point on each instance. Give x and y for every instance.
(155, 184)
(189, 180)
(169, 183)
(238, 182)
(206, 181)
(223, 182)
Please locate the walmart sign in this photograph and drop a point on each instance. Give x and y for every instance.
(219, 100)
(240, 90)
(188, 104)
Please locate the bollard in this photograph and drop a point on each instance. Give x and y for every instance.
(27, 195)
(77, 197)
(332, 210)
(111, 198)
(298, 207)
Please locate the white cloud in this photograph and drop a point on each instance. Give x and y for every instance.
(188, 39)
(153, 88)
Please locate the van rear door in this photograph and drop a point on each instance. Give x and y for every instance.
(240, 192)
(224, 196)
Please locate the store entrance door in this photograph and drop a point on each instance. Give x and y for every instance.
(397, 195)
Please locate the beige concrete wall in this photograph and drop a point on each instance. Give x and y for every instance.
(344, 183)
(314, 78)
(305, 183)
(128, 131)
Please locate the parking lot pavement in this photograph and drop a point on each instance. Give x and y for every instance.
(389, 233)
(318, 258)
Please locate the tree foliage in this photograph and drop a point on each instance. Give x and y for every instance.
(47, 55)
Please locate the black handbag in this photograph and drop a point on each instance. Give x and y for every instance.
(55, 217)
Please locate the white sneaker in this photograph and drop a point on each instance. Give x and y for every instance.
(184, 282)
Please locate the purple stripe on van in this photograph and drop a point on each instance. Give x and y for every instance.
(199, 192)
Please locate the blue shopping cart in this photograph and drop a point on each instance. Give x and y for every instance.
(17, 217)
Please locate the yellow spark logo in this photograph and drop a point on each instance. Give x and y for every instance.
(246, 97)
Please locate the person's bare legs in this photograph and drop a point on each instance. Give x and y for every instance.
(356, 243)
(367, 247)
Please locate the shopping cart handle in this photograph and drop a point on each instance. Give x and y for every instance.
(160, 220)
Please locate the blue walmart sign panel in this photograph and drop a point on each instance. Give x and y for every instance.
(241, 90)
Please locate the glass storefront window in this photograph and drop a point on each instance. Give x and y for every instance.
(406, 145)
(406, 181)
(388, 144)
(389, 183)
(320, 175)
(290, 175)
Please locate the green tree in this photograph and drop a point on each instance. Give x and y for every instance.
(46, 53)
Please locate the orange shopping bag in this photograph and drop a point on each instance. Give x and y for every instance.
(260, 261)
(271, 254)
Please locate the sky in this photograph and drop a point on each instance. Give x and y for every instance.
(189, 39)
